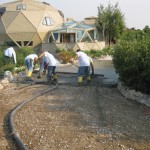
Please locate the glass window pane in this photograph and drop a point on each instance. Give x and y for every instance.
(44, 21)
(50, 39)
(47, 21)
(24, 7)
(86, 38)
(79, 35)
(91, 33)
(18, 7)
(56, 36)
(72, 37)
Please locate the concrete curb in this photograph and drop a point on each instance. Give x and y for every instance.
(133, 95)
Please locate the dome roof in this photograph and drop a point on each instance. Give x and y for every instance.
(27, 20)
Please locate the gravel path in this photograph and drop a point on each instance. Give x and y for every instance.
(76, 118)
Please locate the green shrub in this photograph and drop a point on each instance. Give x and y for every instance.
(131, 58)
(9, 67)
(20, 69)
(21, 54)
(59, 50)
(2, 48)
(99, 53)
(1, 72)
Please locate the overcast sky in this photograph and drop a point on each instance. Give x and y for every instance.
(136, 12)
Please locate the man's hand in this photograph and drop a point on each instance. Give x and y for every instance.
(71, 61)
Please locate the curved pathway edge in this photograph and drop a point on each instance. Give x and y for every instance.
(133, 95)
(15, 135)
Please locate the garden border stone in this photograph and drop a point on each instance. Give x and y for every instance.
(133, 95)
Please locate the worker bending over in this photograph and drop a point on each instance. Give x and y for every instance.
(30, 62)
(84, 66)
(9, 56)
(51, 63)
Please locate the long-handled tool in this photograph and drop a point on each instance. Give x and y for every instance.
(75, 65)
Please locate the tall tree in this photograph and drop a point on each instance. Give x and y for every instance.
(147, 29)
(110, 22)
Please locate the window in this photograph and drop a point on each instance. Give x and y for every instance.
(10, 43)
(28, 43)
(19, 43)
(21, 7)
(79, 35)
(2, 10)
(56, 36)
(67, 37)
(51, 39)
(24, 7)
(48, 21)
(91, 34)
(86, 38)
(18, 7)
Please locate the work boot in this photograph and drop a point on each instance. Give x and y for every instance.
(39, 76)
(80, 81)
(55, 77)
(28, 73)
(88, 79)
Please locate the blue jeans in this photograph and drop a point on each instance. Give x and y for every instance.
(51, 71)
(43, 64)
(29, 65)
(84, 71)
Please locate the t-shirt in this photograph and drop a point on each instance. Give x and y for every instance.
(50, 59)
(9, 52)
(31, 56)
(83, 59)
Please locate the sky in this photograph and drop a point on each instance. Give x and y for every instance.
(136, 12)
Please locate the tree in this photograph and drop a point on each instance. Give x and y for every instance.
(110, 22)
(146, 29)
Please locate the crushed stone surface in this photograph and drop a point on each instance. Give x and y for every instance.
(71, 117)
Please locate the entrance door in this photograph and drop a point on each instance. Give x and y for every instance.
(67, 37)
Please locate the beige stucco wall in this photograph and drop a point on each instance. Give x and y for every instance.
(52, 47)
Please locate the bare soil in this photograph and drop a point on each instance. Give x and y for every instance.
(71, 117)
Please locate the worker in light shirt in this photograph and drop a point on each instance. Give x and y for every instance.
(51, 66)
(30, 62)
(84, 66)
(10, 56)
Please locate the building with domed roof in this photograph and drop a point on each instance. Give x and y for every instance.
(27, 22)
(32, 23)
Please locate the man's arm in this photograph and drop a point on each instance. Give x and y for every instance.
(74, 58)
(14, 56)
(42, 55)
